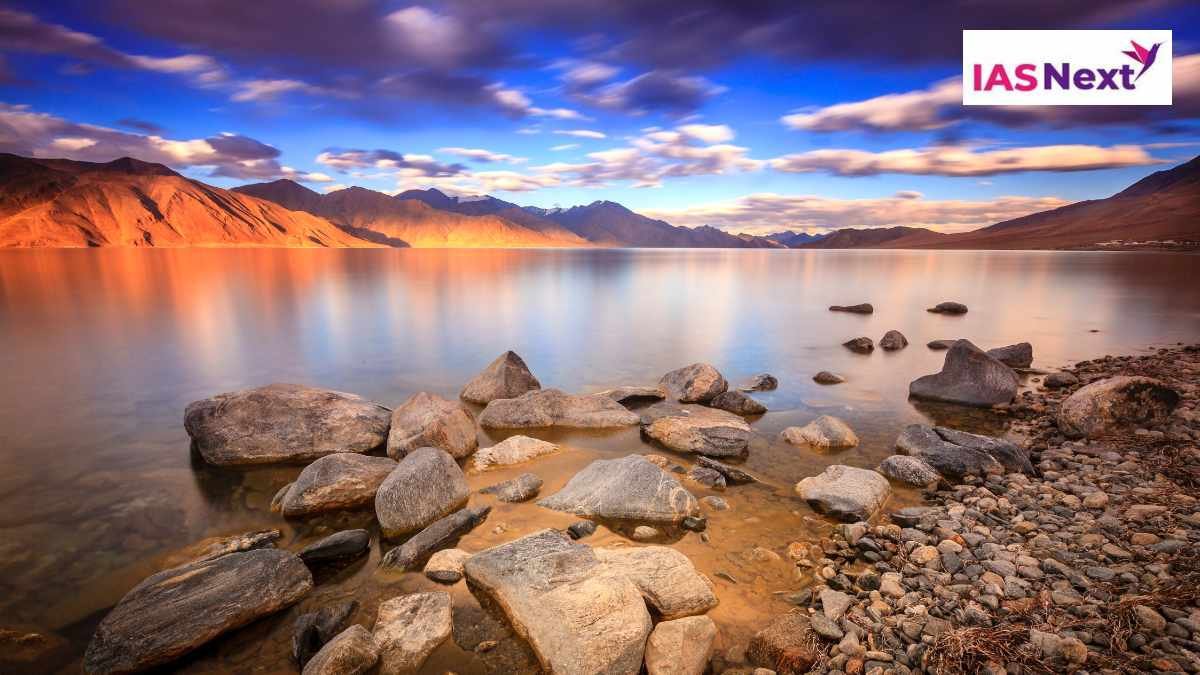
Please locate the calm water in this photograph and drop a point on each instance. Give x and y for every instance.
(101, 350)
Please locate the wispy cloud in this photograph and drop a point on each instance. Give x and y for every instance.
(964, 161)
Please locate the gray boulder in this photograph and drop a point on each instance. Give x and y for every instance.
(314, 629)
(948, 308)
(1011, 456)
(506, 377)
(519, 489)
(703, 431)
(844, 492)
(424, 486)
(955, 454)
(1019, 355)
(825, 433)
(336, 547)
(552, 407)
(681, 647)
(628, 488)
(909, 470)
(697, 383)
(512, 450)
(283, 423)
(409, 628)
(968, 377)
(862, 308)
(893, 340)
(336, 482)
(442, 533)
(1116, 402)
(177, 610)
(430, 421)
(665, 577)
(737, 403)
(578, 616)
(761, 382)
(826, 377)
(860, 345)
(352, 652)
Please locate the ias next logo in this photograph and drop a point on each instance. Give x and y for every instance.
(1084, 67)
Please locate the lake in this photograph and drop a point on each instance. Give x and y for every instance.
(101, 350)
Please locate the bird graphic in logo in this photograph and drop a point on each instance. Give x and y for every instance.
(1143, 56)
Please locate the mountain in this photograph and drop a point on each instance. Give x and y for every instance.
(794, 239)
(879, 237)
(488, 206)
(126, 202)
(415, 221)
(611, 224)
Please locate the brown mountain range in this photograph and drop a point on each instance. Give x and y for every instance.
(62, 203)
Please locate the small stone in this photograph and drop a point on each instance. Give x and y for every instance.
(826, 377)
(581, 528)
(1149, 619)
(446, 566)
(1096, 500)
(715, 503)
(826, 433)
(834, 603)
(825, 627)
(860, 345)
(644, 533)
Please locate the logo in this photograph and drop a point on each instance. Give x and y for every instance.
(1066, 67)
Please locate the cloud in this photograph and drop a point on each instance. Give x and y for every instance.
(266, 90)
(913, 111)
(964, 161)
(768, 212)
(564, 146)
(423, 165)
(581, 133)
(141, 125)
(587, 74)
(481, 155)
(519, 105)
(668, 91)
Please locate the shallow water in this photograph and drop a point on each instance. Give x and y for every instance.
(100, 351)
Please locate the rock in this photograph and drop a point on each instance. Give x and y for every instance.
(446, 566)
(283, 423)
(826, 377)
(424, 486)
(442, 533)
(628, 488)
(430, 421)
(697, 383)
(1060, 380)
(338, 546)
(863, 308)
(707, 477)
(1116, 402)
(715, 503)
(846, 493)
(955, 454)
(215, 547)
(968, 377)
(787, 645)
(352, 652)
(645, 533)
(909, 470)
(513, 450)
(761, 382)
(737, 403)
(694, 523)
(665, 577)
(633, 394)
(314, 629)
(519, 489)
(581, 528)
(1019, 355)
(552, 407)
(277, 500)
(939, 345)
(680, 647)
(576, 614)
(733, 475)
(336, 482)
(948, 308)
(826, 433)
(409, 628)
(1149, 620)
(893, 340)
(1053, 646)
(826, 628)
(704, 431)
(26, 649)
(506, 377)
(175, 611)
(860, 345)
(834, 603)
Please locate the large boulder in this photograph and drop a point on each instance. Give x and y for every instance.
(968, 377)
(424, 486)
(506, 377)
(955, 454)
(408, 629)
(336, 482)
(1019, 355)
(825, 433)
(177, 610)
(430, 421)
(440, 534)
(844, 492)
(737, 403)
(697, 383)
(512, 450)
(680, 647)
(1100, 407)
(787, 645)
(552, 407)
(908, 470)
(703, 431)
(352, 652)
(666, 578)
(628, 488)
(579, 617)
(283, 423)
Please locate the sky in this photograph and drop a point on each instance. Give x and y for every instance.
(749, 116)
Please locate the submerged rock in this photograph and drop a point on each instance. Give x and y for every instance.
(352, 652)
(424, 486)
(909, 470)
(826, 433)
(429, 421)
(512, 450)
(314, 629)
(968, 377)
(1019, 355)
(761, 382)
(893, 340)
(955, 454)
(506, 377)
(860, 345)
(733, 475)
(948, 308)
(862, 308)
(665, 577)
(336, 482)
(787, 646)
(826, 377)
(628, 488)
(633, 393)
(177, 610)
(338, 546)
(707, 477)
(737, 403)
(552, 407)
(409, 628)
(680, 647)
(439, 535)
(1116, 402)
(519, 489)
(939, 345)
(446, 566)
(697, 383)
(578, 616)
(704, 431)
(283, 423)
(844, 492)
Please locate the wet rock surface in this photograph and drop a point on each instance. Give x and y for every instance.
(628, 488)
(845, 492)
(351, 652)
(948, 308)
(337, 547)
(336, 482)
(737, 403)
(428, 420)
(824, 433)
(438, 535)
(519, 489)
(863, 308)
(665, 577)
(409, 628)
(893, 340)
(955, 454)
(909, 470)
(426, 485)
(552, 407)
(826, 377)
(1019, 355)
(506, 377)
(697, 383)
(314, 629)
(968, 377)
(860, 345)
(703, 431)
(761, 382)
(446, 566)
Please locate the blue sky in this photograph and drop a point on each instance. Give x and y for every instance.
(693, 100)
